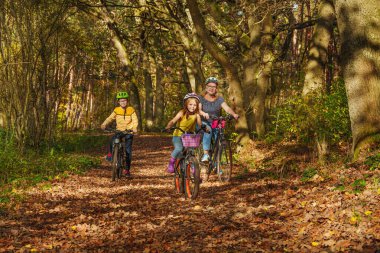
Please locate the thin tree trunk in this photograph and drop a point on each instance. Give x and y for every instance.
(68, 112)
(148, 99)
(159, 105)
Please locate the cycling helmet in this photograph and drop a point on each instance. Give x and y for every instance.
(211, 79)
(122, 94)
(190, 95)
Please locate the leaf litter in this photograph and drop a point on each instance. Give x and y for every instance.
(144, 214)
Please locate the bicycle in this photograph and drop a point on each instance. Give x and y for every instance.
(186, 169)
(220, 152)
(118, 152)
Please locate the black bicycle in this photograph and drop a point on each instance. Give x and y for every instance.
(118, 152)
(220, 152)
(186, 169)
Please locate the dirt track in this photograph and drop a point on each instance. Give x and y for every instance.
(87, 213)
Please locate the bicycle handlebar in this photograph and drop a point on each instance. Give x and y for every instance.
(227, 117)
(203, 128)
(111, 130)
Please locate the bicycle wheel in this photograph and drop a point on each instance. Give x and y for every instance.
(212, 164)
(121, 163)
(192, 178)
(203, 167)
(224, 161)
(115, 162)
(178, 177)
(199, 152)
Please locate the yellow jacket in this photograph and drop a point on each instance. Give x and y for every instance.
(126, 119)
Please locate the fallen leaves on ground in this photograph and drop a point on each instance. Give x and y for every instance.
(144, 214)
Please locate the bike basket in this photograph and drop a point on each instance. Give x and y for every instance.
(215, 122)
(191, 140)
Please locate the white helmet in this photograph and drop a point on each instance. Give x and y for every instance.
(211, 79)
(191, 95)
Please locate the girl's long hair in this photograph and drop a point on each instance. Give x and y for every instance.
(186, 112)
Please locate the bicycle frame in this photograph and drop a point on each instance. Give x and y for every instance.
(118, 153)
(182, 159)
(215, 145)
(218, 146)
(187, 173)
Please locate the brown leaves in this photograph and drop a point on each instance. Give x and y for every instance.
(91, 213)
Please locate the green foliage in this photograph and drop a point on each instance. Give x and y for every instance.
(358, 185)
(323, 115)
(308, 174)
(373, 162)
(81, 142)
(33, 167)
(341, 188)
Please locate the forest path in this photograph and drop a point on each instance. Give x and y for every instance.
(86, 213)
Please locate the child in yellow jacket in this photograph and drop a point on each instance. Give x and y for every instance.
(126, 119)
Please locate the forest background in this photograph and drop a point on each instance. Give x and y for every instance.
(301, 73)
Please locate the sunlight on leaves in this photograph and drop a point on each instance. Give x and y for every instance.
(197, 208)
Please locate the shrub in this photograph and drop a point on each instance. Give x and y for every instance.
(35, 166)
(299, 120)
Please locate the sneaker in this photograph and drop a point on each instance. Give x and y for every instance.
(109, 157)
(127, 173)
(205, 158)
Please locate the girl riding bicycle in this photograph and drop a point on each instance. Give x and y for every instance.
(186, 119)
(126, 119)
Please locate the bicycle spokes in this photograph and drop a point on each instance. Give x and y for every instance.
(178, 178)
(192, 178)
(224, 164)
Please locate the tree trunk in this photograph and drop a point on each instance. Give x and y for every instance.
(193, 56)
(316, 65)
(148, 99)
(235, 89)
(263, 80)
(124, 60)
(68, 112)
(251, 66)
(358, 23)
(159, 105)
(317, 59)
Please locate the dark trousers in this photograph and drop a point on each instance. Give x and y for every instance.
(128, 147)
